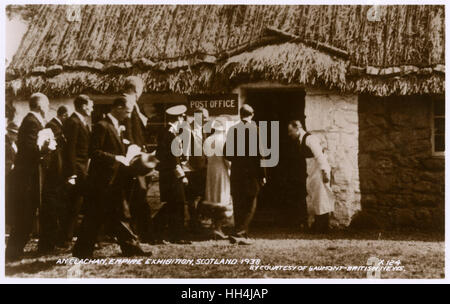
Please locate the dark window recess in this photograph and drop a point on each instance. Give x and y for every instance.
(439, 126)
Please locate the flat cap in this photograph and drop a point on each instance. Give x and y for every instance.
(246, 110)
(176, 110)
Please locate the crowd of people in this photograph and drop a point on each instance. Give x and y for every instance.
(99, 171)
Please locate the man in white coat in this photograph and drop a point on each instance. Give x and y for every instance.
(318, 181)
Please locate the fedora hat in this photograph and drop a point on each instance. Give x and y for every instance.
(143, 164)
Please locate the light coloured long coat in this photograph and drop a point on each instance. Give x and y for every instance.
(217, 189)
(320, 195)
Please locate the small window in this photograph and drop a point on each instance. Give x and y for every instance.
(438, 127)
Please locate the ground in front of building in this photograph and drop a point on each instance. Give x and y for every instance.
(337, 255)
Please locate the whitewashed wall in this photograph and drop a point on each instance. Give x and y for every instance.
(334, 118)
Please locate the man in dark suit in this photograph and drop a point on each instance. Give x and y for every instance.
(136, 133)
(53, 198)
(10, 156)
(27, 175)
(172, 180)
(247, 175)
(76, 160)
(107, 181)
(195, 167)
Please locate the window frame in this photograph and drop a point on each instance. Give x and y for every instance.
(437, 154)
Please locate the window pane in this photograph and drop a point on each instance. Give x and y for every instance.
(439, 107)
(439, 143)
(439, 125)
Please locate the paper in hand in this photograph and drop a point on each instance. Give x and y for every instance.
(132, 151)
(46, 135)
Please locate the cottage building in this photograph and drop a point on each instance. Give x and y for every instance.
(370, 81)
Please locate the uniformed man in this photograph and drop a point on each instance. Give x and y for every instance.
(172, 178)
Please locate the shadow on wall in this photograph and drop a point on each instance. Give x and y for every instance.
(402, 184)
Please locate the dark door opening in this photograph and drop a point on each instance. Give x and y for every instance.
(279, 203)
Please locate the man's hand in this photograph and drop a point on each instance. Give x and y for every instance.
(72, 180)
(185, 181)
(325, 177)
(121, 159)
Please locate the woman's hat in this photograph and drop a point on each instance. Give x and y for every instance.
(218, 125)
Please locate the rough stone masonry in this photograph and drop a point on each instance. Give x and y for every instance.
(402, 183)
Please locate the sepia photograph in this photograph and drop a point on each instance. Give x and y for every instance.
(225, 141)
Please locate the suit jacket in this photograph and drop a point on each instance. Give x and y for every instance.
(76, 151)
(167, 161)
(196, 163)
(136, 131)
(106, 143)
(246, 171)
(107, 177)
(54, 161)
(169, 167)
(27, 172)
(10, 155)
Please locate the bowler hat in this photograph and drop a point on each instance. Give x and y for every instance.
(142, 164)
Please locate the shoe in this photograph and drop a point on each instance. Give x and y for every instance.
(219, 235)
(240, 240)
(245, 241)
(233, 239)
(241, 234)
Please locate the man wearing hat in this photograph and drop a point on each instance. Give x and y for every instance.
(27, 175)
(172, 179)
(107, 179)
(247, 176)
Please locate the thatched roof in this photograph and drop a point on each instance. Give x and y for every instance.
(211, 48)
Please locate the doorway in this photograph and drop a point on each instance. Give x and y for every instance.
(281, 201)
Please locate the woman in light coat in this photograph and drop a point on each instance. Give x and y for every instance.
(217, 192)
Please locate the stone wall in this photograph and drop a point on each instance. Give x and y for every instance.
(402, 184)
(333, 117)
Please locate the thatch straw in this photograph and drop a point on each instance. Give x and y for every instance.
(287, 63)
(179, 48)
